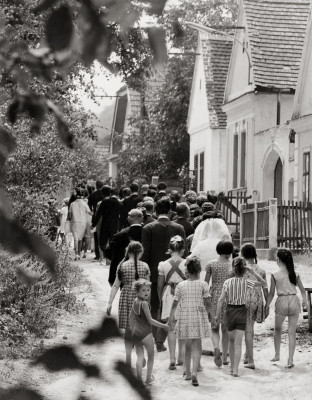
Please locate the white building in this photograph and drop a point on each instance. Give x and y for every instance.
(302, 122)
(206, 120)
(259, 97)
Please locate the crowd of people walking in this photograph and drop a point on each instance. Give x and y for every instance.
(156, 246)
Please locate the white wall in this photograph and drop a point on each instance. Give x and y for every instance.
(238, 82)
(270, 145)
(198, 116)
(303, 128)
(266, 110)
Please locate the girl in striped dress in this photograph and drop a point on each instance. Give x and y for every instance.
(234, 292)
(129, 270)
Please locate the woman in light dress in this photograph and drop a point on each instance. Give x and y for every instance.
(78, 216)
(170, 273)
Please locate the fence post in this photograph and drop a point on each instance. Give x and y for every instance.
(272, 224)
(241, 224)
(255, 223)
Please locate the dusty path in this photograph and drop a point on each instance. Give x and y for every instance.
(268, 381)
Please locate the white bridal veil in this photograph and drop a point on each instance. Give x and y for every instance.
(206, 237)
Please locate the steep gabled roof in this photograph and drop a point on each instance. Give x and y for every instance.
(216, 51)
(276, 31)
(301, 109)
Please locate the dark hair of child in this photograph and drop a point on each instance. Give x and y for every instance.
(235, 252)
(286, 257)
(133, 248)
(239, 266)
(176, 243)
(193, 265)
(224, 247)
(248, 251)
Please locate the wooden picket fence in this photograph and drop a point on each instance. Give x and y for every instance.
(255, 224)
(230, 206)
(294, 225)
(294, 229)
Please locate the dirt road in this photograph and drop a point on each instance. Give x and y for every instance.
(270, 381)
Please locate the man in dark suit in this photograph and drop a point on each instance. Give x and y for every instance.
(183, 214)
(120, 241)
(155, 240)
(149, 209)
(109, 210)
(129, 203)
(93, 200)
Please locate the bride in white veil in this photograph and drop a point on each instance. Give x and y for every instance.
(207, 235)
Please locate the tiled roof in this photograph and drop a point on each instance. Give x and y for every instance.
(216, 52)
(276, 31)
(153, 87)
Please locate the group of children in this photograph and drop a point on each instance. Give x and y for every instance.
(233, 302)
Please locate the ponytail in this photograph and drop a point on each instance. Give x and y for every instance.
(119, 274)
(286, 257)
(134, 248)
(248, 251)
(136, 266)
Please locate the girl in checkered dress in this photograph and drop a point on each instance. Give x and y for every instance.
(192, 315)
(129, 270)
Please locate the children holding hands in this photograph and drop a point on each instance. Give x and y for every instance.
(141, 323)
(191, 318)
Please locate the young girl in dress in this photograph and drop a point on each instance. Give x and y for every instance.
(219, 271)
(141, 323)
(170, 273)
(285, 281)
(192, 316)
(234, 292)
(129, 270)
(254, 301)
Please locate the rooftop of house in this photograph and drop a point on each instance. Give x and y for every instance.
(216, 51)
(153, 87)
(276, 31)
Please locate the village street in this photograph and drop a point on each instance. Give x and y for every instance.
(269, 380)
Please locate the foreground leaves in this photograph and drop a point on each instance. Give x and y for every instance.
(14, 238)
(138, 386)
(64, 357)
(107, 330)
(21, 393)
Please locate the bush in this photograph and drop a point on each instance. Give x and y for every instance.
(28, 313)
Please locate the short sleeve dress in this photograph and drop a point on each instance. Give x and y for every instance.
(254, 297)
(128, 295)
(219, 273)
(192, 317)
(167, 298)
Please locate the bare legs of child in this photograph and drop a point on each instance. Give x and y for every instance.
(172, 342)
(235, 349)
(128, 346)
(192, 352)
(216, 344)
(249, 337)
(148, 343)
(292, 325)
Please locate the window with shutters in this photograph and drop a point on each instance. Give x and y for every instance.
(243, 159)
(235, 160)
(201, 170)
(306, 177)
(196, 172)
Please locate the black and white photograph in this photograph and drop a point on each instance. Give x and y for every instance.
(155, 199)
